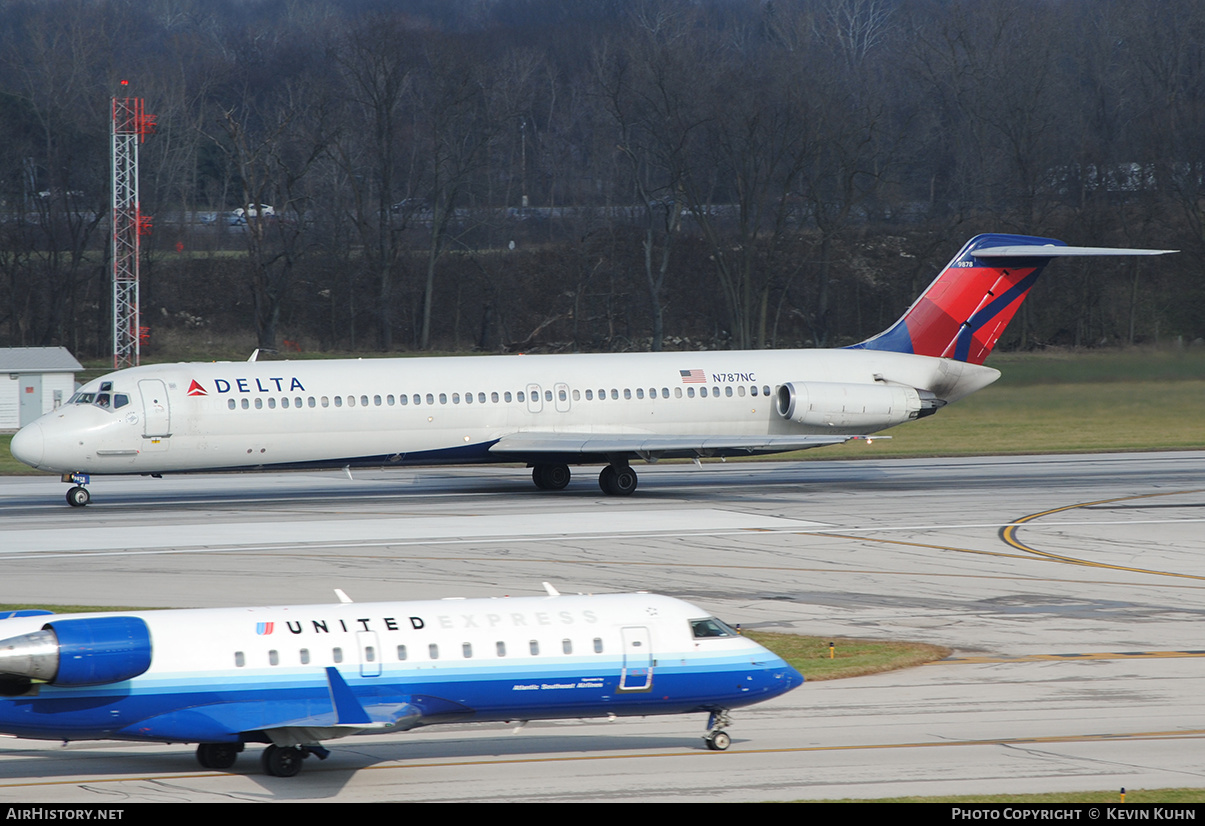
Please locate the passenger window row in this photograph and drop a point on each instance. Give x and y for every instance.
(404, 654)
(563, 394)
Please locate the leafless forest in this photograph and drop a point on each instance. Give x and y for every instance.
(508, 175)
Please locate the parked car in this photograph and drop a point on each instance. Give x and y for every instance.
(240, 216)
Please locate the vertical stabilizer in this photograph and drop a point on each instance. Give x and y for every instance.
(965, 310)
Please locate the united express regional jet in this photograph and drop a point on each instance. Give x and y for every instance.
(548, 412)
(293, 676)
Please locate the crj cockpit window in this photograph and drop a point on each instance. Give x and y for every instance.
(711, 627)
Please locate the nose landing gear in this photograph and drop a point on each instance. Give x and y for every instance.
(77, 496)
(716, 738)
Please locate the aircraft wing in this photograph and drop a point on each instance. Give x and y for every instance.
(645, 445)
(337, 713)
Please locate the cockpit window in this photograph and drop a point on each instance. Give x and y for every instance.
(104, 399)
(710, 627)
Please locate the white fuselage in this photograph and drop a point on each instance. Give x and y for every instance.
(223, 675)
(245, 415)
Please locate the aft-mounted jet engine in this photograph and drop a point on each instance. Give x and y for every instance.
(75, 652)
(861, 406)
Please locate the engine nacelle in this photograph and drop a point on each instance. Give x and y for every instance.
(863, 406)
(78, 652)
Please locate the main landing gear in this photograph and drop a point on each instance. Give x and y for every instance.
(550, 477)
(616, 479)
(716, 738)
(285, 761)
(277, 761)
(218, 755)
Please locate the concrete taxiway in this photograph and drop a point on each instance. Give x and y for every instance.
(1071, 589)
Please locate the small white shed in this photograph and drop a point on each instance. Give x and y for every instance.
(33, 381)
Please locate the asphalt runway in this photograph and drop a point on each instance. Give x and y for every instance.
(1070, 588)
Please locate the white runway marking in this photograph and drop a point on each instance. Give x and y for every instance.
(601, 522)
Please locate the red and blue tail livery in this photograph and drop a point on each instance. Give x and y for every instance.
(965, 310)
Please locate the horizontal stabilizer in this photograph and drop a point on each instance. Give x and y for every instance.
(1052, 251)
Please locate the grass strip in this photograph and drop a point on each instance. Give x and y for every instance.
(810, 656)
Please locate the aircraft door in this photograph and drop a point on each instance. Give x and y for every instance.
(157, 417)
(534, 403)
(370, 653)
(637, 660)
(561, 395)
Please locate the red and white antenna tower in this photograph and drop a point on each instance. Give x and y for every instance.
(130, 127)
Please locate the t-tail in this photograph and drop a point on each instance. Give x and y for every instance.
(966, 309)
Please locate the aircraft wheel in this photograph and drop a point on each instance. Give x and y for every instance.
(617, 481)
(282, 761)
(718, 741)
(78, 496)
(551, 477)
(217, 755)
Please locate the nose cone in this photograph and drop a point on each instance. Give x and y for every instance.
(780, 677)
(29, 445)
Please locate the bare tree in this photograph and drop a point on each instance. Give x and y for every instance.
(372, 58)
(57, 154)
(642, 90)
(458, 118)
(272, 150)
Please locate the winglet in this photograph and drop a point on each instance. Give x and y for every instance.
(348, 710)
(343, 598)
(552, 592)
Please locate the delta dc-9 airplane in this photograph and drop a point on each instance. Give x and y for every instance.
(292, 677)
(548, 412)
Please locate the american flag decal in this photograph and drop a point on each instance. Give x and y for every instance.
(693, 377)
